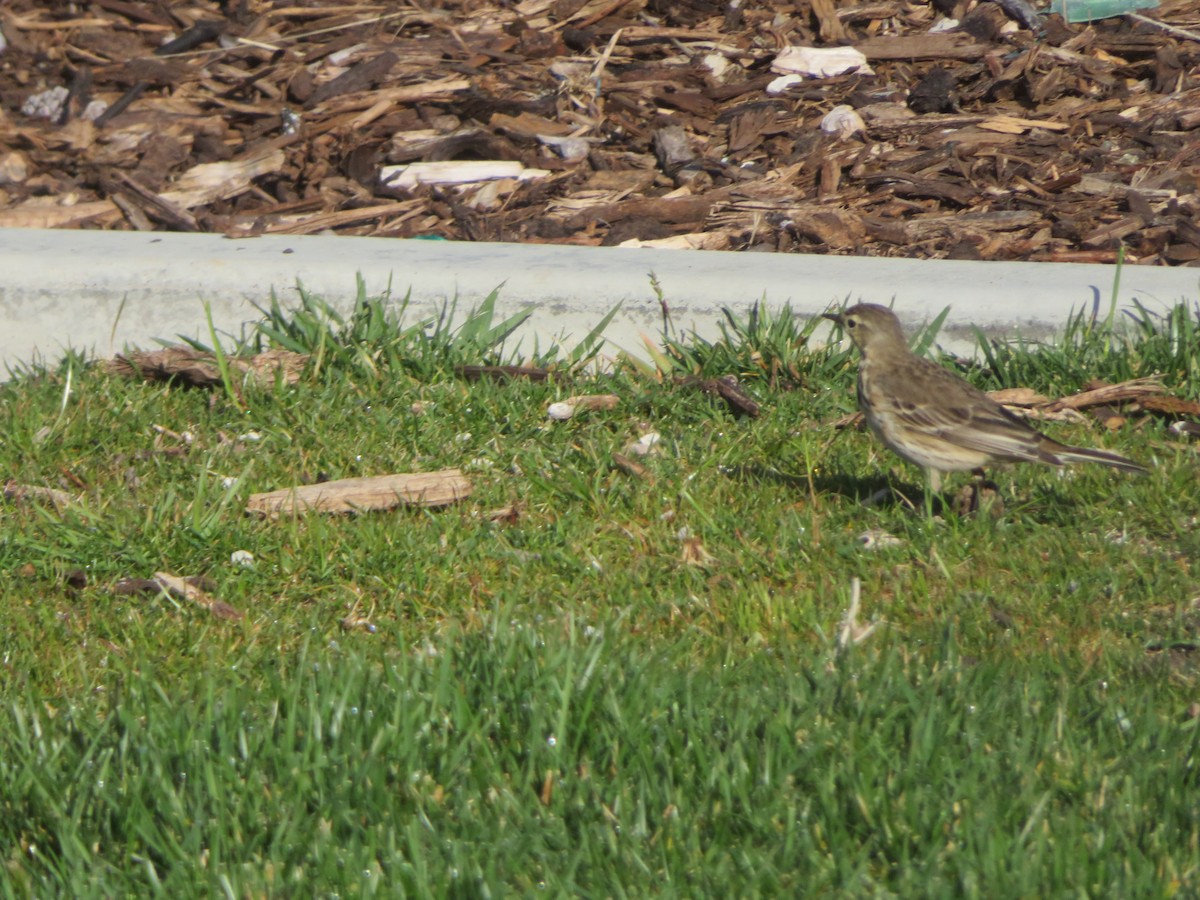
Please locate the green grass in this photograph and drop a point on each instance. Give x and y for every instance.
(581, 702)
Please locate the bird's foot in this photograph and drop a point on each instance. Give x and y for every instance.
(981, 495)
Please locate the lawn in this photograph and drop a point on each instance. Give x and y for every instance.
(639, 680)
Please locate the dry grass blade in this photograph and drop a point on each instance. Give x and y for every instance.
(850, 631)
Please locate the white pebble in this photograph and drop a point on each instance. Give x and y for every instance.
(243, 559)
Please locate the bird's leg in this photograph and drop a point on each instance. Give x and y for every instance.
(988, 497)
(967, 502)
(980, 495)
(977, 487)
(933, 485)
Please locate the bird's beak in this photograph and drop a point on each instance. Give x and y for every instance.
(836, 318)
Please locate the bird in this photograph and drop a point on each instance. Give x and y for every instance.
(934, 418)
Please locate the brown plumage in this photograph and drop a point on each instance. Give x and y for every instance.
(933, 418)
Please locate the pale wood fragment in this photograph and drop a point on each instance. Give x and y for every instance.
(922, 46)
(565, 409)
(183, 589)
(197, 368)
(410, 93)
(347, 495)
(1018, 125)
(632, 467)
(1134, 389)
(24, 493)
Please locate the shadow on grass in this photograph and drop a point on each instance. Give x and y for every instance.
(1047, 503)
(876, 491)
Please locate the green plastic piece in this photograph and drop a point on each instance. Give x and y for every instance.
(1090, 10)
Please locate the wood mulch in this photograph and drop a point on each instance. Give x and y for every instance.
(608, 122)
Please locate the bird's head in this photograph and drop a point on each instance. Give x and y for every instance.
(873, 328)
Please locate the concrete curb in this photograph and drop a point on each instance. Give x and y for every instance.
(101, 291)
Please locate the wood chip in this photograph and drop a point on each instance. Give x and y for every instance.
(509, 515)
(186, 589)
(1075, 147)
(1015, 125)
(632, 467)
(1171, 406)
(1108, 394)
(356, 495)
(30, 493)
(728, 390)
(1018, 397)
(196, 368)
(922, 46)
(359, 77)
(565, 409)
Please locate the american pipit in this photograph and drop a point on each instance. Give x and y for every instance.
(932, 417)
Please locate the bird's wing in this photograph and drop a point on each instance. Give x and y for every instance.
(963, 415)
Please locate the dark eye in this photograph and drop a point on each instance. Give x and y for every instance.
(850, 323)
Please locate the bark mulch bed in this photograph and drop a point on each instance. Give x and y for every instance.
(611, 121)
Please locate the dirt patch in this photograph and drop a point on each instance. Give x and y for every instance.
(611, 121)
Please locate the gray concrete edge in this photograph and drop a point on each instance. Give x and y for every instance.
(102, 292)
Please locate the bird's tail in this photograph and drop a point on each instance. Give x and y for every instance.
(1083, 454)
